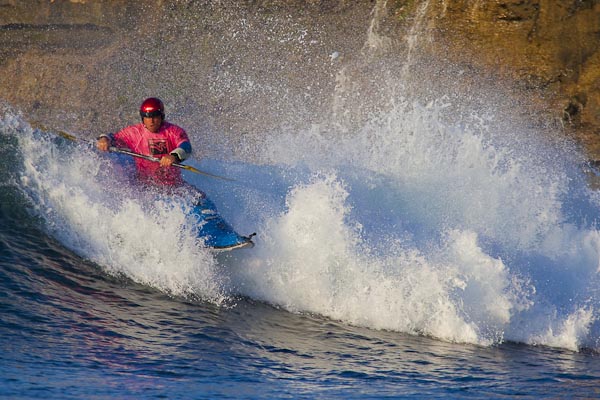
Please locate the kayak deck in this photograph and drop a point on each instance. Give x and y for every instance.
(215, 231)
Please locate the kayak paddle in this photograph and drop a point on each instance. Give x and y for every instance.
(112, 149)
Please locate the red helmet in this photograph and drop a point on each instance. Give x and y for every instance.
(152, 107)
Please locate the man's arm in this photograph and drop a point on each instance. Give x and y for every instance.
(177, 155)
(183, 151)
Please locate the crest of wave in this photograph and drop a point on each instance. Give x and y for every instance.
(455, 292)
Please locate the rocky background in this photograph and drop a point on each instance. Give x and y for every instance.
(247, 67)
(548, 47)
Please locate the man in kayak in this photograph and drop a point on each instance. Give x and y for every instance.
(153, 137)
(168, 143)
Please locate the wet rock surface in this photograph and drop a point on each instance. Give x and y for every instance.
(549, 47)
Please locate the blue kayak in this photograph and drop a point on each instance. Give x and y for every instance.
(215, 231)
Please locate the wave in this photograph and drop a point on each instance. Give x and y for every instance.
(458, 228)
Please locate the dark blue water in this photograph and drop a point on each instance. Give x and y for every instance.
(74, 328)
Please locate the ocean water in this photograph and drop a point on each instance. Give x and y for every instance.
(416, 257)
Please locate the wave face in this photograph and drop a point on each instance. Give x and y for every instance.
(406, 203)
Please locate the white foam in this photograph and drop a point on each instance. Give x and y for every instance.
(429, 227)
(90, 208)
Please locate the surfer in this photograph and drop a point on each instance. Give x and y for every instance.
(155, 137)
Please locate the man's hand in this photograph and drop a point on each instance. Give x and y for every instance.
(103, 144)
(167, 160)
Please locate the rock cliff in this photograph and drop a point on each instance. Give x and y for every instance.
(551, 47)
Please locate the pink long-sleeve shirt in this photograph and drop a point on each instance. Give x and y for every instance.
(140, 140)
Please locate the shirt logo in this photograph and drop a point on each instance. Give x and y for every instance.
(157, 146)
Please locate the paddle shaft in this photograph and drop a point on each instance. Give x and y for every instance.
(154, 159)
(145, 157)
(138, 155)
